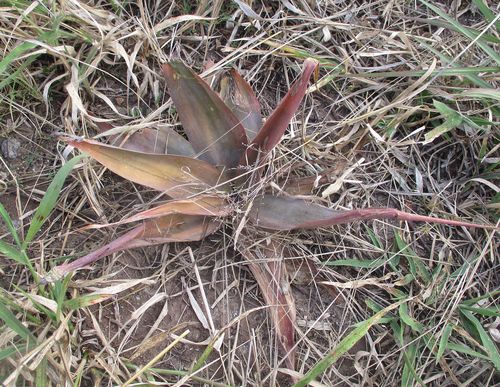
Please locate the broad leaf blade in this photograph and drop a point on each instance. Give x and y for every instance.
(274, 128)
(199, 205)
(284, 213)
(163, 140)
(212, 129)
(240, 98)
(178, 176)
(166, 229)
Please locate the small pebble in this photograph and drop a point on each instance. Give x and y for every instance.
(10, 148)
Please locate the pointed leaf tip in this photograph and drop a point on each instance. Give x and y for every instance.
(240, 98)
(178, 176)
(212, 128)
(274, 128)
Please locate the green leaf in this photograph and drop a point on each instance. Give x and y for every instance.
(485, 338)
(414, 324)
(346, 344)
(489, 50)
(452, 120)
(368, 263)
(490, 16)
(480, 93)
(213, 130)
(443, 341)
(417, 268)
(16, 325)
(84, 301)
(49, 199)
(11, 351)
(10, 225)
(12, 253)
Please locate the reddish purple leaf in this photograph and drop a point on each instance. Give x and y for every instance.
(163, 140)
(268, 268)
(199, 205)
(170, 228)
(285, 213)
(274, 128)
(212, 128)
(240, 98)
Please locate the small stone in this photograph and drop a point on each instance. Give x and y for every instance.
(10, 148)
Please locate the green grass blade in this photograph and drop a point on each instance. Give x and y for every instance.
(443, 342)
(408, 320)
(346, 344)
(10, 225)
(417, 268)
(11, 351)
(485, 338)
(490, 51)
(487, 13)
(49, 200)
(368, 263)
(12, 253)
(16, 325)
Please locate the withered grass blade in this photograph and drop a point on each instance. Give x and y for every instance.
(177, 176)
(274, 128)
(240, 98)
(212, 128)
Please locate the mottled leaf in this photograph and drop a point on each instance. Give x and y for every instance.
(240, 98)
(166, 229)
(178, 176)
(212, 128)
(284, 213)
(274, 128)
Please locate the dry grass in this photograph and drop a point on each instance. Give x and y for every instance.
(359, 141)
